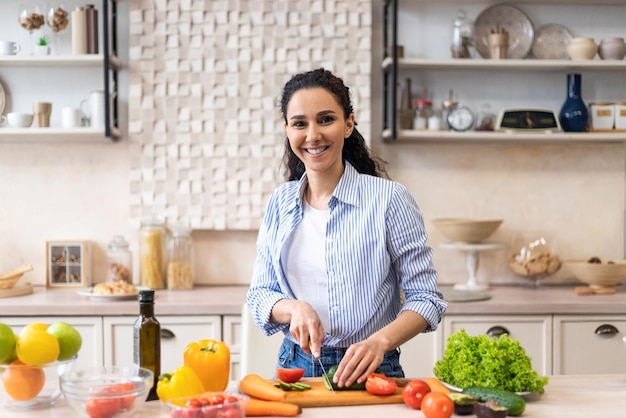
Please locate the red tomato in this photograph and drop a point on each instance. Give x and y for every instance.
(379, 384)
(126, 402)
(217, 399)
(414, 392)
(289, 375)
(437, 405)
(102, 407)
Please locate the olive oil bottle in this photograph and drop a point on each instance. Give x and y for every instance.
(147, 340)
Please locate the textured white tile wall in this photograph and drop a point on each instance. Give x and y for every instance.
(204, 79)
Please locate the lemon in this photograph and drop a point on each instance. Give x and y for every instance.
(35, 325)
(37, 347)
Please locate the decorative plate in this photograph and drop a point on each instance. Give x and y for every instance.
(513, 20)
(2, 99)
(551, 42)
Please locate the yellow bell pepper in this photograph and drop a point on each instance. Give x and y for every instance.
(183, 382)
(210, 360)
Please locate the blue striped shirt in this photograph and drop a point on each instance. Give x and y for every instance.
(375, 247)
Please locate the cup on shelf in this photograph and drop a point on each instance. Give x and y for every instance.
(498, 44)
(9, 48)
(16, 120)
(71, 117)
(42, 112)
(95, 108)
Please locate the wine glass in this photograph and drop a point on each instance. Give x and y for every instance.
(30, 18)
(57, 19)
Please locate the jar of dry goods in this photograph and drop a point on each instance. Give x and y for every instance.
(151, 253)
(180, 259)
(119, 261)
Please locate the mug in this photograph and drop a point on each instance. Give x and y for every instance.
(95, 106)
(70, 117)
(42, 112)
(17, 120)
(9, 48)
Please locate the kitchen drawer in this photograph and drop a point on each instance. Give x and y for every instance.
(589, 344)
(89, 327)
(534, 332)
(118, 338)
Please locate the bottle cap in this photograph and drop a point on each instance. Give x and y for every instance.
(146, 296)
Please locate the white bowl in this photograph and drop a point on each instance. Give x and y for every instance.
(467, 230)
(598, 275)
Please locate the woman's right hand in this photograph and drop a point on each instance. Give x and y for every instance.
(304, 323)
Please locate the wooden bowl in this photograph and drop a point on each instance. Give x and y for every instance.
(467, 230)
(10, 279)
(598, 275)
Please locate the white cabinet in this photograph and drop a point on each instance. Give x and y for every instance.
(419, 355)
(176, 333)
(89, 327)
(589, 344)
(534, 332)
(231, 335)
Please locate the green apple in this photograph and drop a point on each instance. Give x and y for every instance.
(7, 343)
(69, 338)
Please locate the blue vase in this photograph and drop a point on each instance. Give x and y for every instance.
(574, 116)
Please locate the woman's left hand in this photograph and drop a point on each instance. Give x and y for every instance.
(360, 360)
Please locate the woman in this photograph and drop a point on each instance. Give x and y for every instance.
(342, 269)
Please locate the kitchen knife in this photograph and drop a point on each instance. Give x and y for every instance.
(325, 375)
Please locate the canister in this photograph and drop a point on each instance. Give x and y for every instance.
(602, 116)
(119, 260)
(79, 31)
(180, 259)
(91, 24)
(423, 112)
(151, 253)
(620, 115)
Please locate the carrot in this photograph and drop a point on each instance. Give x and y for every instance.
(261, 408)
(255, 386)
(436, 385)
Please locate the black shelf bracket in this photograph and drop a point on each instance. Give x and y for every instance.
(111, 67)
(390, 75)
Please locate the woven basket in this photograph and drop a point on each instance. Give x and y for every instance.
(9, 279)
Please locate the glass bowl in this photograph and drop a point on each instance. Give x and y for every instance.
(32, 387)
(209, 405)
(106, 391)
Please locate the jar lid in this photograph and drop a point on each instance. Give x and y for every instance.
(152, 222)
(118, 241)
(179, 230)
(423, 103)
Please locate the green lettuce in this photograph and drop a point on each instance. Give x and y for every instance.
(481, 360)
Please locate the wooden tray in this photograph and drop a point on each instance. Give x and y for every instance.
(19, 289)
(319, 396)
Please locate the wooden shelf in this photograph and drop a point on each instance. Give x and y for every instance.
(58, 135)
(505, 137)
(505, 64)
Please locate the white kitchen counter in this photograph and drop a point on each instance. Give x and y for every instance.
(227, 300)
(565, 397)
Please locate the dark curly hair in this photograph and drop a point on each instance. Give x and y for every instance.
(355, 151)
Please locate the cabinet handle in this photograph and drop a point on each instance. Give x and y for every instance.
(607, 330)
(497, 331)
(166, 334)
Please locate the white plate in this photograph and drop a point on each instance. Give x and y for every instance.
(455, 389)
(104, 298)
(516, 23)
(2, 99)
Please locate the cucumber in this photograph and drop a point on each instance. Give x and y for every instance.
(512, 401)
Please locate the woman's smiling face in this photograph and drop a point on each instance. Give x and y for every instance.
(316, 128)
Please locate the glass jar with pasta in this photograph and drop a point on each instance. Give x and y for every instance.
(152, 238)
(119, 261)
(180, 259)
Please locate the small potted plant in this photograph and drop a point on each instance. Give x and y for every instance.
(42, 47)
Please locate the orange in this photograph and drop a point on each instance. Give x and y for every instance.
(23, 382)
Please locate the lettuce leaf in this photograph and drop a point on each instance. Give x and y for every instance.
(481, 360)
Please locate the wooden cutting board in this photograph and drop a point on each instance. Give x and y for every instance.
(320, 396)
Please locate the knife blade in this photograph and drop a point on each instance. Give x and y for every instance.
(325, 375)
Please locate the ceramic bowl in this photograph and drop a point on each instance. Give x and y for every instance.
(107, 391)
(598, 275)
(209, 404)
(466, 230)
(582, 49)
(32, 387)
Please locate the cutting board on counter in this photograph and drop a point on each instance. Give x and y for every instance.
(320, 396)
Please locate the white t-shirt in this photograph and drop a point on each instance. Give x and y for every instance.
(304, 263)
